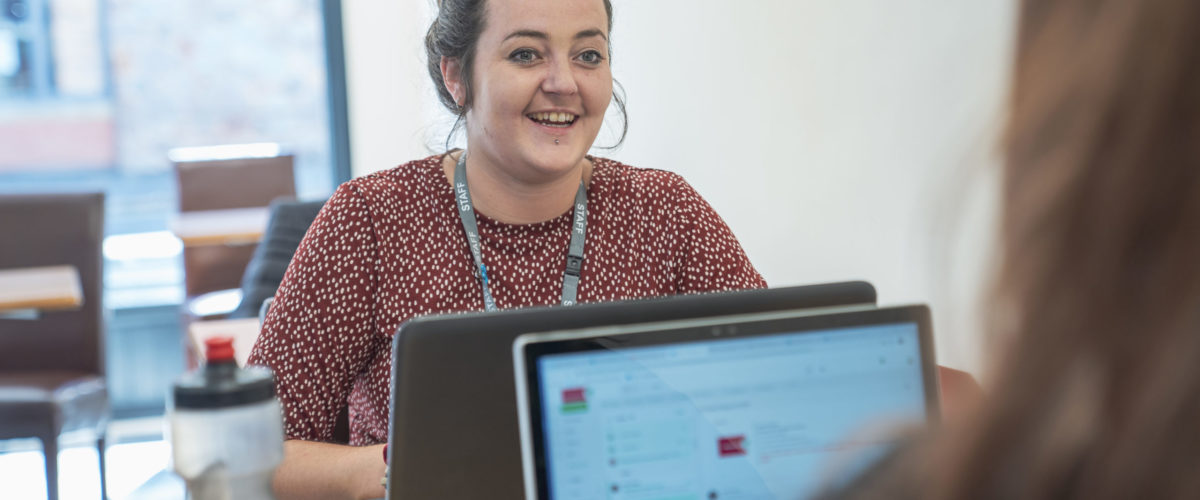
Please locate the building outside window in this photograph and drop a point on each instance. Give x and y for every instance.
(93, 94)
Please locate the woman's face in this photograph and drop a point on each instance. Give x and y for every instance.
(541, 75)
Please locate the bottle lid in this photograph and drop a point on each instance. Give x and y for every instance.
(217, 349)
(220, 383)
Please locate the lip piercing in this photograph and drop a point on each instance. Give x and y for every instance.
(556, 141)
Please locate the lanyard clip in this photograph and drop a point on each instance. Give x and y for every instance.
(480, 273)
(574, 265)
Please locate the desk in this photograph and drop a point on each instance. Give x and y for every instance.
(217, 227)
(244, 332)
(26, 291)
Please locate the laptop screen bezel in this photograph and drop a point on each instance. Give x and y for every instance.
(529, 348)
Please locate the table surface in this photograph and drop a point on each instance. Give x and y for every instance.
(244, 333)
(215, 227)
(40, 288)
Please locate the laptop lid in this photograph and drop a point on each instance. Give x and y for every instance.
(752, 406)
(454, 430)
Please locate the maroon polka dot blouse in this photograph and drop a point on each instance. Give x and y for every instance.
(389, 246)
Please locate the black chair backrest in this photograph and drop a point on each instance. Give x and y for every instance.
(50, 230)
(286, 226)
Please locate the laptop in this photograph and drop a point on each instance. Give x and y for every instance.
(454, 430)
(756, 406)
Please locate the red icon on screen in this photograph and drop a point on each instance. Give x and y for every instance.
(574, 400)
(732, 446)
(574, 395)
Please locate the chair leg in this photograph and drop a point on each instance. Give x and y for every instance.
(50, 450)
(103, 483)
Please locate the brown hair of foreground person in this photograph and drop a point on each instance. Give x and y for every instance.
(1096, 305)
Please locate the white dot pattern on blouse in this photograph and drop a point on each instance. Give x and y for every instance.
(389, 246)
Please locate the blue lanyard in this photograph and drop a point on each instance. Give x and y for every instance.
(466, 212)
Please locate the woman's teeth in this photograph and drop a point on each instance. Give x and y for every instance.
(553, 119)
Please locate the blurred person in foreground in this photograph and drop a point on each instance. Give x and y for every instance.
(1096, 306)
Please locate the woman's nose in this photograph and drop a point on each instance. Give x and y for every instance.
(560, 79)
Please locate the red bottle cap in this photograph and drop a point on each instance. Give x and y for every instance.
(221, 383)
(217, 349)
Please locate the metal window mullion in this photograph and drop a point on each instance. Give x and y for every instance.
(105, 48)
(335, 81)
(42, 64)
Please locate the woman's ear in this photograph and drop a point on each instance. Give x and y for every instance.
(452, 76)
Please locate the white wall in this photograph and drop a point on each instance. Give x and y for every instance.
(386, 84)
(847, 139)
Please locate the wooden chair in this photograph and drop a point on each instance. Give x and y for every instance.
(217, 178)
(52, 367)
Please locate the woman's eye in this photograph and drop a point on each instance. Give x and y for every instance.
(523, 56)
(591, 57)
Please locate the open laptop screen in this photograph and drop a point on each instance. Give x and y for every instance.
(757, 416)
(457, 437)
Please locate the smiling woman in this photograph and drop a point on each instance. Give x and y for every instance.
(532, 90)
(540, 222)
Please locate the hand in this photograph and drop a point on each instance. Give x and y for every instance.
(960, 393)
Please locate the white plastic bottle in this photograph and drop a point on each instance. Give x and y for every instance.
(225, 427)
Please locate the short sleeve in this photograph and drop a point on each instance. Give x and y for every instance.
(711, 259)
(317, 336)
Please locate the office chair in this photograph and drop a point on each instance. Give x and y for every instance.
(288, 222)
(286, 225)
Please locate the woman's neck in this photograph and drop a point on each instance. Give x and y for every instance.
(510, 200)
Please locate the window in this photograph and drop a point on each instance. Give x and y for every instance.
(94, 93)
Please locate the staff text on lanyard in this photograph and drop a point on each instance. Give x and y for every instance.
(466, 212)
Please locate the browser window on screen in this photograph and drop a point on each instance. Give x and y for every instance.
(752, 418)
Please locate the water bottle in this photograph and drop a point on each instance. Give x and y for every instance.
(226, 429)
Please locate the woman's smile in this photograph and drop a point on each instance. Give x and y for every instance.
(554, 119)
(556, 124)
